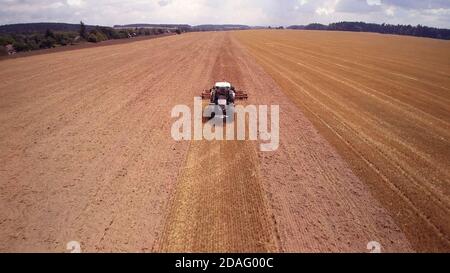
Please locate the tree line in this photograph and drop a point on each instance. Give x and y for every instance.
(418, 31)
(35, 39)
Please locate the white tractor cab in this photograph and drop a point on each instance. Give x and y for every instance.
(226, 87)
(222, 84)
(221, 99)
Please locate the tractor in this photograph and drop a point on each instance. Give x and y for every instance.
(221, 100)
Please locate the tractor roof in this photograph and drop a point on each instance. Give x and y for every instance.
(223, 85)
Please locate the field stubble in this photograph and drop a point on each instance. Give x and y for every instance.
(384, 103)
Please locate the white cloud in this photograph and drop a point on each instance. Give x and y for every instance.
(374, 2)
(253, 12)
(390, 10)
(327, 8)
(76, 3)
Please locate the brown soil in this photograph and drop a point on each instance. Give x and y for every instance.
(383, 102)
(86, 155)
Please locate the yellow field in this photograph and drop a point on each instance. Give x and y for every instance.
(87, 155)
(384, 103)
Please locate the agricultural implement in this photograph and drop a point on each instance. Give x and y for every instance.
(221, 99)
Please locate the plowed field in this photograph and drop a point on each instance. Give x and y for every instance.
(384, 103)
(86, 152)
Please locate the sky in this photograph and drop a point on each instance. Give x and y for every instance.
(250, 12)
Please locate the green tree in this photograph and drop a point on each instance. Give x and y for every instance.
(96, 36)
(49, 34)
(20, 46)
(6, 40)
(47, 43)
(63, 38)
(83, 32)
